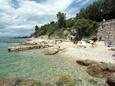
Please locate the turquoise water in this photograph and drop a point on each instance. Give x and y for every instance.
(33, 64)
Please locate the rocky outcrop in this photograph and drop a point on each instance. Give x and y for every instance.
(16, 82)
(112, 49)
(101, 70)
(62, 81)
(51, 51)
(66, 81)
(48, 84)
(8, 82)
(28, 47)
(31, 44)
(98, 69)
(29, 83)
(21, 48)
(86, 62)
(113, 55)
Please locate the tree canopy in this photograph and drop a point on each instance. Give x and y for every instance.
(61, 20)
(86, 20)
(99, 10)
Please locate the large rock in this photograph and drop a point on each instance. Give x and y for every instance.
(66, 81)
(111, 80)
(8, 82)
(86, 62)
(15, 82)
(1, 82)
(48, 84)
(101, 70)
(113, 55)
(51, 51)
(112, 49)
(29, 83)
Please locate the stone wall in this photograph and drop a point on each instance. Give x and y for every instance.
(106, 32)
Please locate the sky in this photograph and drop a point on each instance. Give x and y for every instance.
(19, 17)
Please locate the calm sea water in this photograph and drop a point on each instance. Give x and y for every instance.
(33, 64)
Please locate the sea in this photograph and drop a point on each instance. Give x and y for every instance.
(34, 65)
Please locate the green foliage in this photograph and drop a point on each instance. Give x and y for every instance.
(46, 29)
(35, 34)
(61, 17)
(86, 27)
(99, 10)
(85, 21)
(59, 33)
(70, 22)
(36, 28)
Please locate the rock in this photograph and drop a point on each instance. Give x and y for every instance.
(79, 82)
(27, 47)
(51, 51)
(111, 67)
(8, 82)
(101, 70)
(94, 82)
(29, 83)
(86, 62)
(113, 55)
(48, 84)
(66, 81)
(112, 49)
(1, 82)
(111, 80)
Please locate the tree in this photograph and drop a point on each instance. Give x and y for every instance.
(61, 20)
(99, 10)
(36, 33)
(70, 22)
(36, 28)
(84, 28)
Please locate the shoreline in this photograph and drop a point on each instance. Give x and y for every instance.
(100, 53)
(65, 48)
(71, 52)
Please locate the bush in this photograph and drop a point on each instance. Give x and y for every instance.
(86, 27)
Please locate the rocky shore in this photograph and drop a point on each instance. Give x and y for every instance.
(61, 81)
(100, 70)
(83, 50)
(30, 44)
(27, 47)
(98, 59)
(49, 47)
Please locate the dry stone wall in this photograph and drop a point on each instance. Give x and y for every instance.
(106, 32)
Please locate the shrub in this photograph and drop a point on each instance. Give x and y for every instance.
(86, 27)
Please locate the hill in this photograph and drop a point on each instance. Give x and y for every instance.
(85, 23)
